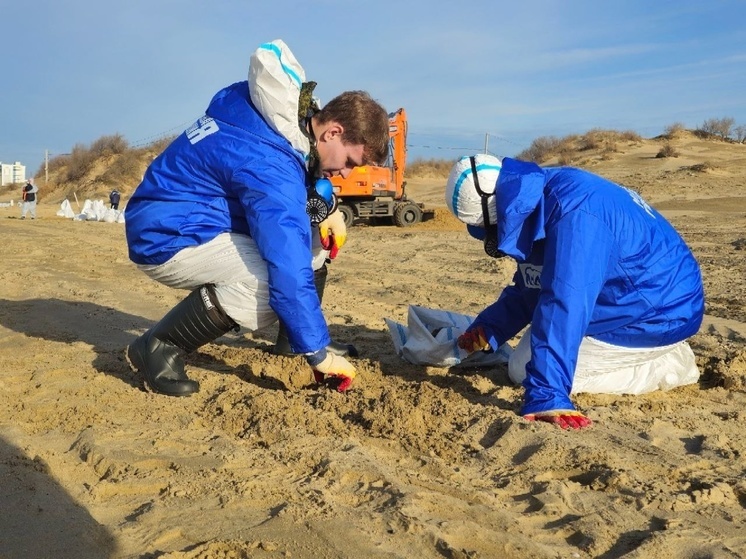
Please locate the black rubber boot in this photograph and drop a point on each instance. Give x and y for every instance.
(159, 353)
(282, 344)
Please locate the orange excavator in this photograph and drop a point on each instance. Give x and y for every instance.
(374, 192)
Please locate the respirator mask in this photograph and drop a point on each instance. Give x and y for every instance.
(320, 200)
(490, 231)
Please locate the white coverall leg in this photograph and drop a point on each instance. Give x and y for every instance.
(231, 262)
(609, 369)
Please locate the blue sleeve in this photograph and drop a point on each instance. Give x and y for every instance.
(577, 252)
(275, 203)
(507, 316)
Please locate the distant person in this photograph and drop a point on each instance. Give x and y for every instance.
(608, 287)
(114, 198)
(226, 211)
(29, 195)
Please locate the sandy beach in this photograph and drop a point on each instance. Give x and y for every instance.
(414, 461)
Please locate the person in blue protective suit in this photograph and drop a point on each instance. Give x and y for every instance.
(608, 288)
(239, 210)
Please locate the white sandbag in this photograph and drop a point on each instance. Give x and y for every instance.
(93, 210)
(87, 210)
(430, 339)
(110, 216)
(609, 369)
(66, 209)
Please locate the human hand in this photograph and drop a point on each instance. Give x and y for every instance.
(473, 340)
(566, 419)
(333, 233)
(334, 371)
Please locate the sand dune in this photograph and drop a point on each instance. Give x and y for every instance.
(413, 462)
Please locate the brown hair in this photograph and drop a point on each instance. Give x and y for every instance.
(365, 122)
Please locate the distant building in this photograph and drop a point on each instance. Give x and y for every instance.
(12, 173)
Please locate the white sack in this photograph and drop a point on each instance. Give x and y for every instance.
(66, 209)
(430, 339)
(95, 210)
(110, 215)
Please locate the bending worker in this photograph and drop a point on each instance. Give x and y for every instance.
(608, 287)
(226, 212)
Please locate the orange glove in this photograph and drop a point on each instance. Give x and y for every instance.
(566, 419)
(473, 340)
(335, 371)
(333, 233)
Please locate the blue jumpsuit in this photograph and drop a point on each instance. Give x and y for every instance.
(594, 259)
(232, 172)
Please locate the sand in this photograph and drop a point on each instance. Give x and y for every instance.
(413, 462)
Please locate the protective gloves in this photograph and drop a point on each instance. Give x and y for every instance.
(473, 340)
(333, 370)
(566, 419)
(333, 233)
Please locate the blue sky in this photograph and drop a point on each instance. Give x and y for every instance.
(81, 69)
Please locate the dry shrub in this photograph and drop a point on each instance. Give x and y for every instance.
(704, 135)
(79, 163)
(109, 145)
(160, 144)
(56, 163)
(720, 127)
(740, 133)
(427, 168)
(667, 151)
(541, 149)
(601, 140)
(674, 130)
(702, 167)
(566, 157)
(630, 136)
(126, 168)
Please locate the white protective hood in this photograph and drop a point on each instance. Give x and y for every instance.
(462, 197)
(275, 80)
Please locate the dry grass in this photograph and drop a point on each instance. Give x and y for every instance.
(569, 150)
(428, 168)
(110, 162)
(95, 170)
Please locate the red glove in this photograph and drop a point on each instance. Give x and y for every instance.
(329, 243)
(335, 371)
(473, 340)
(333, 233)
(566, 419)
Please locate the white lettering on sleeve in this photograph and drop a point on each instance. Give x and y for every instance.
(201, 129)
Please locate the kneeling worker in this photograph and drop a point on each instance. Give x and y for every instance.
(608, 287)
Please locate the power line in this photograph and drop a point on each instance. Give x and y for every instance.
(150, 139)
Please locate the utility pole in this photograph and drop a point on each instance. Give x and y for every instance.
(46, 167)
(486, 142)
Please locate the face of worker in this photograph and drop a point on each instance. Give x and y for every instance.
(337, 158)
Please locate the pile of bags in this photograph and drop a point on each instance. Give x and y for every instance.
(94, 210)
